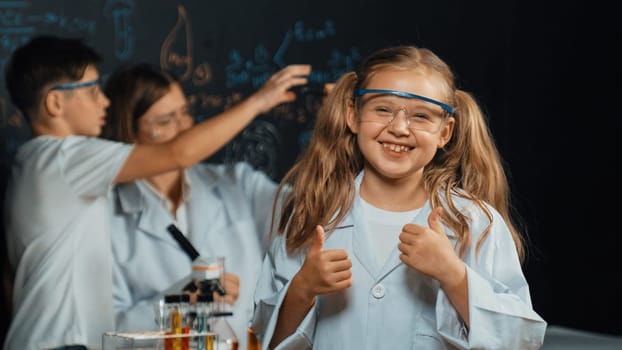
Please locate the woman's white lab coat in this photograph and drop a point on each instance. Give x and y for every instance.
(229, 209)
(395, 307)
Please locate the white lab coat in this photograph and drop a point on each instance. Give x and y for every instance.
(58, 239)
(394, 306)
(229, 208)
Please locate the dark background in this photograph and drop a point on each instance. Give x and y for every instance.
(545, 73)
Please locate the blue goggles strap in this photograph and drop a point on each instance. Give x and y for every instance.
(77, 84)
(444, 106)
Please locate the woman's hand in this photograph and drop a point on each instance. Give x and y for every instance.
(276, 89)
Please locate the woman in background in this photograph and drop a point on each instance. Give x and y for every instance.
(221, 209)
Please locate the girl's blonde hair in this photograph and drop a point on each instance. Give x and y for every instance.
(319, 189)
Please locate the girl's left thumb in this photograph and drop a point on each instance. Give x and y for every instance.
(434, 220)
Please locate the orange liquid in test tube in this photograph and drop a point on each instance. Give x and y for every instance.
(174, 343)
(252, 341)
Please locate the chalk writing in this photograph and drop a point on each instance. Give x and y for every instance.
(176, 52)
(259, 144)
(202, 74)
(256, 71)
(242, 70)
(302, 33)
(121, 11)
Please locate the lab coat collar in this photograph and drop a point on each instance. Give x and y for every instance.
(361, 242)
(152, 219)
(129, 197)
(203, 204)
(204, 210)
(361, 239)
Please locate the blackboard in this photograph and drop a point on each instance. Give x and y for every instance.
(218, 53)
(222, 51)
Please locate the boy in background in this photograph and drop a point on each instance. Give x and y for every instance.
(56, 210)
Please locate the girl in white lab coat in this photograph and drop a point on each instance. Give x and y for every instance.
(395, 229)
(223, 210)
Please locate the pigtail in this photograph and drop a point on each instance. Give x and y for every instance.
(319, 188)
(470, 166)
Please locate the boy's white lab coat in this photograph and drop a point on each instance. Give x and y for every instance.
(228, 209)
(58, 241)
(395, 307)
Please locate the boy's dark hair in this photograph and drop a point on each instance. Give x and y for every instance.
(45, 60)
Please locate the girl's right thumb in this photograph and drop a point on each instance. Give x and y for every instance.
(318, 242)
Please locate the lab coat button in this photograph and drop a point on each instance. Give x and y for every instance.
(378, 291)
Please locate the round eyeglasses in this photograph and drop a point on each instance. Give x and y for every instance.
(181, 117)
(178, 117)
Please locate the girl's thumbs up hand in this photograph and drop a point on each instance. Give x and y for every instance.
(324, 271)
